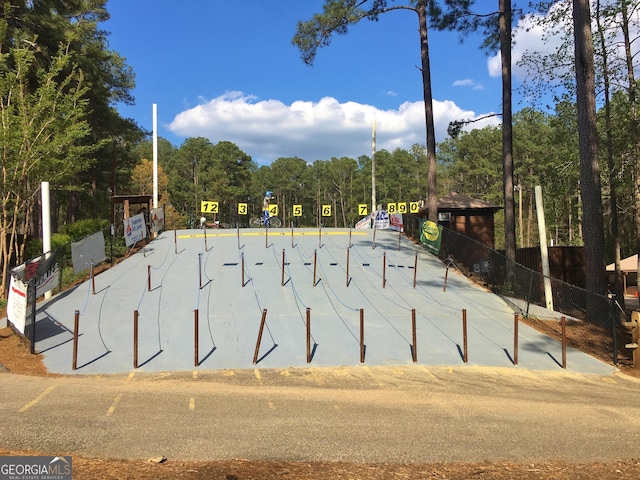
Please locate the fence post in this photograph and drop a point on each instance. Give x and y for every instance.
(308, 335)
(148, 278)
(200, 269)
(242, 258)
(315, 260)
(446, 274)
(262, 322)
(563, 322)
(362, 346)
(238, 234)
(93, 280)
(266, 236)
(516, 321)
(282, 280)
(414, 332)
(384, 270)
(464, 335)
(76, 322)
(350, 238)
(415, 270)
(292, 245)
(196, 337)
(320, 236)
(135, 339)
(348, 249)
(206, 248)
(175, 241)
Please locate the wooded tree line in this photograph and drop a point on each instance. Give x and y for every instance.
(60, 85)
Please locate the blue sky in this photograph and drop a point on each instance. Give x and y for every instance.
(227, 70)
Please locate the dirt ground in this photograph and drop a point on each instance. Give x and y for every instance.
(16, 359)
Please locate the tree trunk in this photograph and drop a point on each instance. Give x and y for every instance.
(593, 229)
(432, 192)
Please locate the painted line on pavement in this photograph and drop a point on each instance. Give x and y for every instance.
(37, 399)
(113, 405)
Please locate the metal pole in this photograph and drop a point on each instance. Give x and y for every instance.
(362, 335)
(76, 322)
(292, 245)
(373, 241)
(446, 274)
(93, 280)
(196, 338)
(413, 330)
(242, 257)
(148, 278)
(348, 250)
(262, 322)
(206, 248)
(384, 270)
(515, 337)
(175, 241)
(282, 280)
(350, 238)
(135, 339)
(415, 270)
(464, 335)
(315, 260)
(320, 236)
(308, 335)
(563, 322)
(266, 236)
(399, 238)
(238, 234)
(200, 269)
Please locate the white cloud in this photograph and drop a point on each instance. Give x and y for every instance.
(468, 82)
(269, 129)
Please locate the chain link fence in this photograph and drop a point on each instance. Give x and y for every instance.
(592, 321)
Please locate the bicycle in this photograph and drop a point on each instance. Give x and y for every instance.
(274, 222)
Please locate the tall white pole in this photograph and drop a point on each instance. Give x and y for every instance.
(155, 156)
(373, 167)
(544, 251)
(46, 223)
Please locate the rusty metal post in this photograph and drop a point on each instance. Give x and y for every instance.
(373, 241)
(238, 234)
(76, 322)
(135, 339)
(242, 258)
(292, 245)
(414, 332)
(516, 321)
(282, 280)
(384, 270)
(196, 337)
(148, 278)
(93, 279)
(315, 261)
(446, 274)
(320, 236)
(348, 250)
(563, 322)
(350, 238)
(415, 270)
(362, 335)
(308, 335)
(464, 335)
(175, 242)
(262, 322)
(206, 248)
(200, 269)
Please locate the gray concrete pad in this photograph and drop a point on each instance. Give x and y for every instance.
(189, 273)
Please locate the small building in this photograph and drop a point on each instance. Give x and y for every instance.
(629, 268)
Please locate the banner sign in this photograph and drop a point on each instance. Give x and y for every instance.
(17, 304)
(431, 236)
(364, 223)
(395, 222)
(156, 217)
(382, 220)
(134, 229)
(85, 251)
(44, 269)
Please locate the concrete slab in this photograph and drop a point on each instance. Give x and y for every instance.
(189, 272)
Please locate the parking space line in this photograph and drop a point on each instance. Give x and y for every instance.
(113, 405)
(195, 374)
(37, 399)
(426, 370)
(192, 404)
(256, 372)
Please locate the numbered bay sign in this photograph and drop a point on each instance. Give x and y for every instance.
(326, 210)
(402, 207)
(273, 210)
(392, 208)
(297, 210)
(208, 207)
(414, 207)
(362, 209)
(242, 209)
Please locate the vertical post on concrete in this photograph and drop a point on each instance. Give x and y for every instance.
(384, 270)
(373, 241)
(362, 346)
(206, 247)
(196, 337)
(266, 236)
(544, 251)
(415, 270)
(563, 322)
(292, 245)
(320, 236)
(516, 321)
(238, 234)
(348, 250)
(399, 238)
(93, 279)
(262, 322)
(76, 322)
(464, 335)
(282, 280)
(446, 274)
(415, 336)
(200, 269)
(175, 242)
(242, 259)
(135, 339)
(315, 261)
(308, 335)
(350, 238)
(148, 278)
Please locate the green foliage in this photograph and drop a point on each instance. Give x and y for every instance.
(83, 228)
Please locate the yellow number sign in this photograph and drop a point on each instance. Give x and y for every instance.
(208, 207)
(242, 209)
(273, 210)
(362, 209)
(297, 210)
(414, 207)
(326, 210)
(402, 207)
(391, 207)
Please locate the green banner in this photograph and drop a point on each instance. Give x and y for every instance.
(430, 236)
